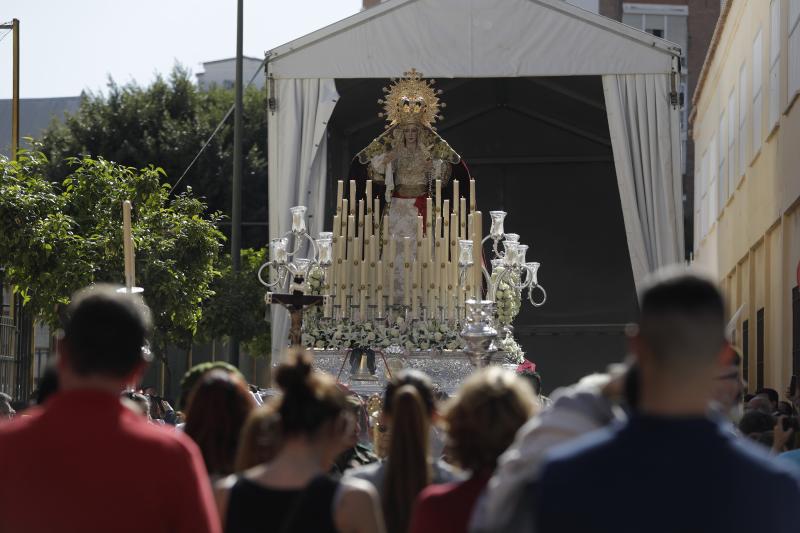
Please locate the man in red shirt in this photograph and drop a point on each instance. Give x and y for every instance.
(83, 462)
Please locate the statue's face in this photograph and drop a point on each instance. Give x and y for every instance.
(411, 133)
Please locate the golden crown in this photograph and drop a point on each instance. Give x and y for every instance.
(411, 100)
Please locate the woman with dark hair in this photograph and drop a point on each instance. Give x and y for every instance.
(408, 409)
(292, 493)
(217, 409)
(481, 423)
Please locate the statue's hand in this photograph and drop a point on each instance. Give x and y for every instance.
(428, 164)
(390, 157)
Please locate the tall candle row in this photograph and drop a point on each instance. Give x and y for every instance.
(364, 271)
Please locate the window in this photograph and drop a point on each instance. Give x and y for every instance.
(722, 176)
(712, 183)
(794, 49)
(758, 102)
(731, 143)
(742, 119)
(760, 349)
(746, 354)
(703, 191)
(698, 201)
(703, 196)
(698, 177)
(774, 64)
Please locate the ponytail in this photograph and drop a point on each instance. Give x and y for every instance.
(408, 469)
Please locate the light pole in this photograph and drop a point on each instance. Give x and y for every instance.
(236, 208)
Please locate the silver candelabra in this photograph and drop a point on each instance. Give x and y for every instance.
(289, 269)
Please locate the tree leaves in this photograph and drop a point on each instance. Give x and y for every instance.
(166, 123)
(237, 307)
(57, 238)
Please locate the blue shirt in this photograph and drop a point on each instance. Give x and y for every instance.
(792, 458)
(655, 474)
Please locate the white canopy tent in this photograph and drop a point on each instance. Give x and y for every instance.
(485, 39)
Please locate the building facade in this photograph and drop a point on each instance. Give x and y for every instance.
(746, 126)
(222, 73)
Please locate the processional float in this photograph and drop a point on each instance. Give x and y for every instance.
(407, 281)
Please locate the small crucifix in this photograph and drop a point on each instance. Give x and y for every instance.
(295, 303)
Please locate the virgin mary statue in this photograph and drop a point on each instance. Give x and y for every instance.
(409, 156)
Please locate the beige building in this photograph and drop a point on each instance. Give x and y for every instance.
(746, 129)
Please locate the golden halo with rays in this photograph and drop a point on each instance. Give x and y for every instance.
(411, 100)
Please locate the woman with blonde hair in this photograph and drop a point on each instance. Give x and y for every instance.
(260, 440)
(481, 423)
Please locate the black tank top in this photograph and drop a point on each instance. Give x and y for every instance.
(253, 508)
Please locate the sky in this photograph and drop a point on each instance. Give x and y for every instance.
(67, 46)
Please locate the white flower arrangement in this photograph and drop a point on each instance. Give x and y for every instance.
(512, 349)
(507, 299)
(344, 334)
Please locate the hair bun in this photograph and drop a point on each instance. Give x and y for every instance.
(293, 374)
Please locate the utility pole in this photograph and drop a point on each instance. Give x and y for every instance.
(236, 208)
(22, 319)
(14, 27)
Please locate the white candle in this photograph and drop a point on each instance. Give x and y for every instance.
(372, 276)
(414, 292)
(443, 274)
(341, 257)
(337, 228)
(477, 250)
(379, 288)
(429, 215)
(385, 242)
(339, 196)
(362, 306)
(407, 271)
(462, 215)
(368, 195)
(446, 227)
(352, 197)
(427, 288)
(127, 246)
(471, 195)
(360, 231)
(376, 216)
(456, 195)
(438, 197)
(355, 264)
(364, 287)
(391, 269)
(451, 288)
(453, 236)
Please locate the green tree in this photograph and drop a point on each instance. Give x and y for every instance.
(237, 307)
(166, 124)
(58, 237)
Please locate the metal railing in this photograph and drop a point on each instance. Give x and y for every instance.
(8, 356)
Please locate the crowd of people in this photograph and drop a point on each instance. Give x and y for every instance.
(665, 441)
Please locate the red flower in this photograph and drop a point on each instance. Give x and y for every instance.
(527, 367)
